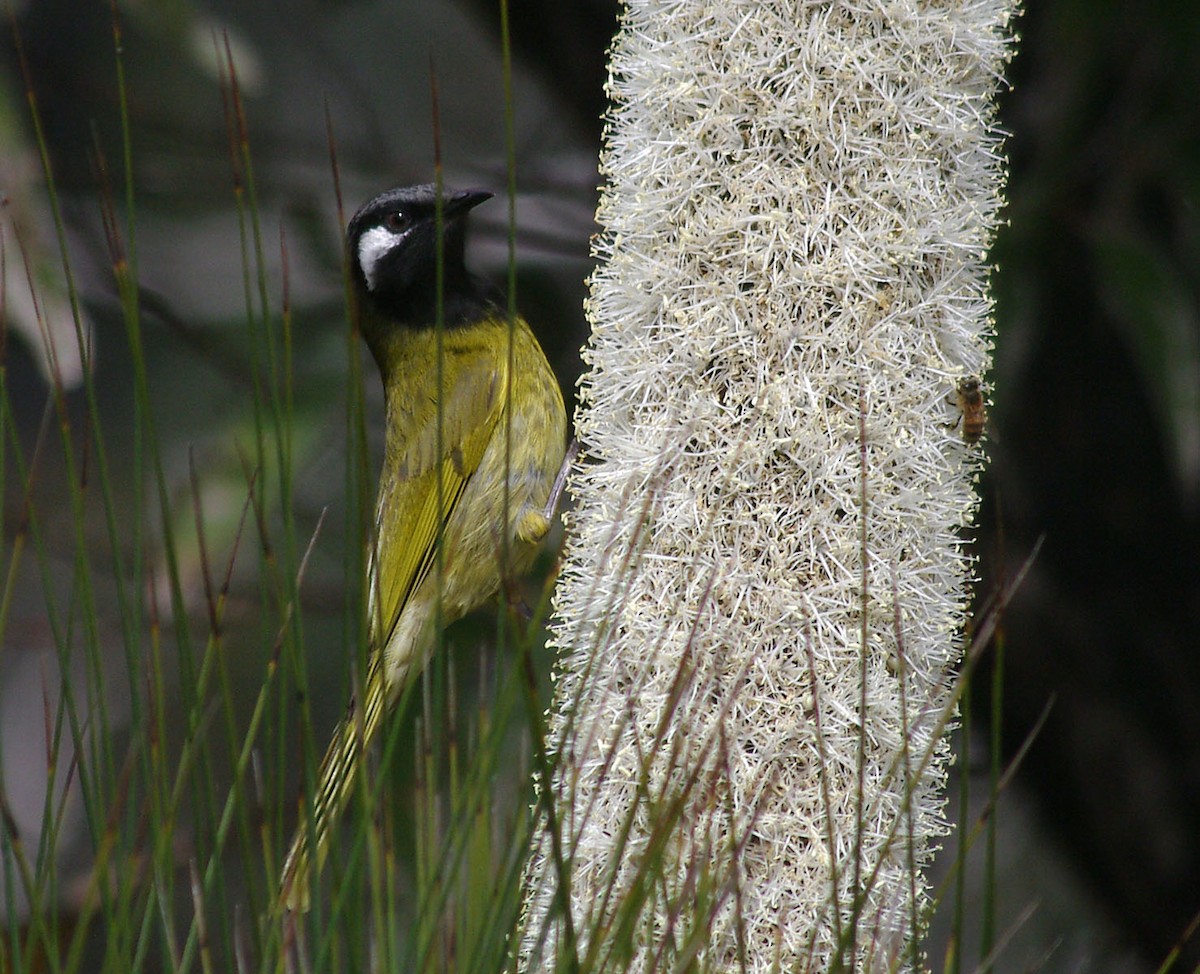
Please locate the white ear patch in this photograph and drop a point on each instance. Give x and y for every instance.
(372, 246)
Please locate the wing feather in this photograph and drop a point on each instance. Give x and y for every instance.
(412, 509)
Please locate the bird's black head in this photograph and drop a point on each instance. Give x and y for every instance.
(393, 247)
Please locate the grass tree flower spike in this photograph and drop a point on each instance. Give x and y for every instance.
(762, 601)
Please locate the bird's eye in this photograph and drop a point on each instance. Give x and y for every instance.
(396, 221)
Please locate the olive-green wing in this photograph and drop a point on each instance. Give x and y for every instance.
(412, 508)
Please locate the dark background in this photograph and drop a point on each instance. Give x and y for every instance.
(1095, 423)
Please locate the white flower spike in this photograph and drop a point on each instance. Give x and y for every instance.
(762, 600)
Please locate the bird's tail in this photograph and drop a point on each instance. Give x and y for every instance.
(335, 782)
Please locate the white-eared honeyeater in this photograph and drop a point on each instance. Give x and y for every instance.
(491, 415)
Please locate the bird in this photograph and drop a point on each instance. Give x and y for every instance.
(471, 453)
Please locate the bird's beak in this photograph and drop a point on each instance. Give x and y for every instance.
(464, 200)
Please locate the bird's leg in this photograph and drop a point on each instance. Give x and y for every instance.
(535, 525)
(560, 479)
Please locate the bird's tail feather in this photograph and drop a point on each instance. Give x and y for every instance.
(335, 782)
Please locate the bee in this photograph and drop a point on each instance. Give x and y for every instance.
(973, 413)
